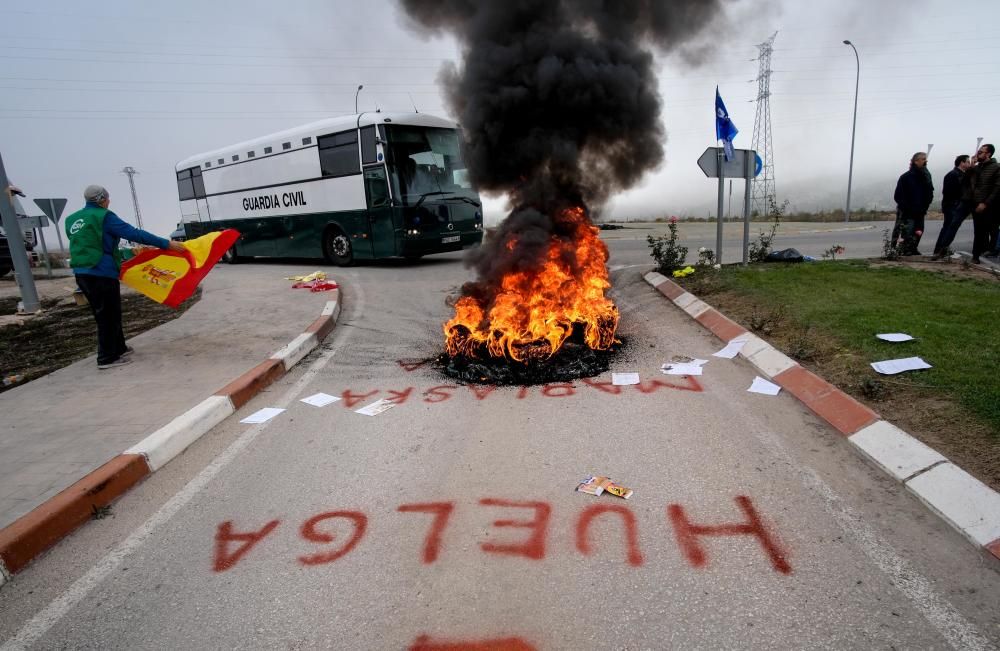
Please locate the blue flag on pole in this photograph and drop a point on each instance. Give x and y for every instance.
(725, 130)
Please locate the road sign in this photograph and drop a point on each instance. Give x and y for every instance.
(52, 207)
(33, 221)
(742, 166)
(731, 169)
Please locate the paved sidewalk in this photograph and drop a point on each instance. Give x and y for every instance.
(58, 428)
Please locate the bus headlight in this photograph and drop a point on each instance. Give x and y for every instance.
(413, 231)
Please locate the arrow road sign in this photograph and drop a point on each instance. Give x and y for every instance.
(52, 207)
(33, 221)
(731, 169)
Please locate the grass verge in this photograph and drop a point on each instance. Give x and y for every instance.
(826, 315)
(66, 332)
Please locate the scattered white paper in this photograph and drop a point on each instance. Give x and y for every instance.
(733, 348)
(893, 366)
(262, 415)
(320, 399)
(376, 407)
(624, 379)
(895, 337)
(760, 385)
(682, 369)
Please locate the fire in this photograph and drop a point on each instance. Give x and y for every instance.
(531, 314)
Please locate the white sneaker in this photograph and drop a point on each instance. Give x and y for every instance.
(121, 361)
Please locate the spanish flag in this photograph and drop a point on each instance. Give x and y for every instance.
(169, 277)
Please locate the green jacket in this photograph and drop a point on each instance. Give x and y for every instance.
(85, 230)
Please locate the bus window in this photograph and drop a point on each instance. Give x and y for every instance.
(424, 160)
(368, 145)
(185, 186)
(376, 187)
(338, 154)
(199, 183)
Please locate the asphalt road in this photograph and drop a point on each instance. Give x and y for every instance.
(860, 239)
(453, 515)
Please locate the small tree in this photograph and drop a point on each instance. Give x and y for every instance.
(761, 247)
(891, 248)
(665, 250)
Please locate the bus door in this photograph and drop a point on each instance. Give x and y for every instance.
(381, 228)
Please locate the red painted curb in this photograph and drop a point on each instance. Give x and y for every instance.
(32, 534)
(721, 326)
(670, 289)
(994, 548)
(831, 404)
(840, 410)
(27, 537)
(246, 386)
(321, 327)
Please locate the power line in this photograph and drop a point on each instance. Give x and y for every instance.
(394, 66)
(201, 55)
(214, 83)
(255, 48)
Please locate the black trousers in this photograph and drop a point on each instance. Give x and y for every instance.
(954, 215)
(105, 298)
(911, 228)
(984, 232)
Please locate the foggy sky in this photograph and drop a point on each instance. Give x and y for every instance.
(88, 91)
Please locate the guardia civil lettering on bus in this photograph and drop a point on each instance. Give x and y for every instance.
(360, 187)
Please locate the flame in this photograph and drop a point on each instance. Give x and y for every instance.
(532, 313)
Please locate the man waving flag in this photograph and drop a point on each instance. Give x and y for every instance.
(725, 130)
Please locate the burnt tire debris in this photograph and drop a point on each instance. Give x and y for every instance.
(573, 361)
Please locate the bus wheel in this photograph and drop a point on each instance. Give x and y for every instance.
(230, 257)
(337, 247)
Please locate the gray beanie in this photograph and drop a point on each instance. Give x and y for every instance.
(95, 194)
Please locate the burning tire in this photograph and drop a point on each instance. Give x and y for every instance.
(337, 247)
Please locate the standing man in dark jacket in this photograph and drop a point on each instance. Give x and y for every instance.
(985, 200)
(94, 233)
(914, 192)
(954, 209)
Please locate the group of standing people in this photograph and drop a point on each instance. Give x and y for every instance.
(972, 187)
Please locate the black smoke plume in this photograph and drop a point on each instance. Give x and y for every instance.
(559, 97)
(558, 103)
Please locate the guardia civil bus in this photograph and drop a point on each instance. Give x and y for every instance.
(361, 187)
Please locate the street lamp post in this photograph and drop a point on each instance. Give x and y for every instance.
(356, 97)
(854, 127)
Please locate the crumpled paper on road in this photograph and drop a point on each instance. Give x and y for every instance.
(316, 275)
(686, 271)
(316, 285)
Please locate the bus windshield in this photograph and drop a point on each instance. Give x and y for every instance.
(426, 161)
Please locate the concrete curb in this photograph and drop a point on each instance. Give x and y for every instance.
(32, 534)
(961, 500)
